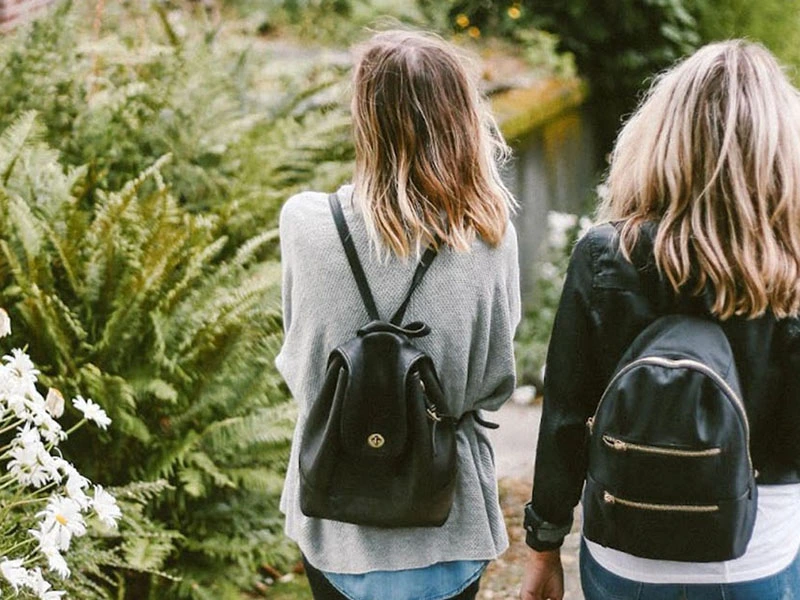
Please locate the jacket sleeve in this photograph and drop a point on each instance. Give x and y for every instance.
(570, 390)
(788, 439)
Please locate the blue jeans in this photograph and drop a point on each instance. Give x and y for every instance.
(322, 589)
(600, 584)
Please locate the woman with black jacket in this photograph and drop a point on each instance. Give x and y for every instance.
(700, 216)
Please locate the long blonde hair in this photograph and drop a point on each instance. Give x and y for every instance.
(713, 155)
(427, 150)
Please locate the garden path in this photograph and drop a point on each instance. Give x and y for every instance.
(515, 447)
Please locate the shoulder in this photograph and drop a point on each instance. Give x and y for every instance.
(508, 246)
(501, 259)
(303, 209)
(599, 239)
(599, 250)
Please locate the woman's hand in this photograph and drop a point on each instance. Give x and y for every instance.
(544, 577)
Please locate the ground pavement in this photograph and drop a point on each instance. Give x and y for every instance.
(515, 447)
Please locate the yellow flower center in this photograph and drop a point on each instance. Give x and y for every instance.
(462, 20)
(61, 519)
(514, 12)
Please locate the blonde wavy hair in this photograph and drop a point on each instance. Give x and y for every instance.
(713, 156)
(427, 151)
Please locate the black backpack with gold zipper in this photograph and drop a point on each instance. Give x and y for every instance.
(669, 469)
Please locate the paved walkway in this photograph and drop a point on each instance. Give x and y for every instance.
(515, 448)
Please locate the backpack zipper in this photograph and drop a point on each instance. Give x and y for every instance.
(609, 498)
(624, 446)
(678, 363)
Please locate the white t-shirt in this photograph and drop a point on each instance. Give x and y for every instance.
(775, 543)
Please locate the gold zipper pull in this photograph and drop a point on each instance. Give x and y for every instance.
(590, 424)
(615, 443)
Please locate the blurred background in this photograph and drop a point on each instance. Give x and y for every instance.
(146, 149)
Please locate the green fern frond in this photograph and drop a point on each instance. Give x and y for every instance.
(257, 479)
(247, 250)
(146, 553)
(206, 465)
(272, 425)
(18, 135)
(142, 492)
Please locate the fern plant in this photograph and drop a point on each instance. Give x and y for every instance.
(138, 256)
(129, 302)
(243, 135)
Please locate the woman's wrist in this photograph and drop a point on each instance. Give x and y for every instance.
(541, 535)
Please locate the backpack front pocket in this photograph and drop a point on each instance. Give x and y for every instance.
(686, 530)
(610, 498)
(625, 446)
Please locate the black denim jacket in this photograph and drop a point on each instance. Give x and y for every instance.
(606, 302)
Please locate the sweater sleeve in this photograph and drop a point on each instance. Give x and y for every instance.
(560, 456)
(499, 379)
(285, 231)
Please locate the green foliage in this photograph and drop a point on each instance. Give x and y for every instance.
(138, 257)
(128, 303)
(533, 333)
(617, 44)
(774, 23)
(99, 559)
(150, 83)
(329, 22)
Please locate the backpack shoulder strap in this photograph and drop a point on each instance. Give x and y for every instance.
(358, 270)
(352, 257)
(422, 267)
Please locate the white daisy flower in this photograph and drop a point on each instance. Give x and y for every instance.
(51, 431)
(92, 411)
(18, 403)
(55, 560)
(21, 366)
(75, 485)
(61, 521)
(5, 323)
(14, 572)
(48, 427)
(105, 506)
(40, 586)
(31, 463)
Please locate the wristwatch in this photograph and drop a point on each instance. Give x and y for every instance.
(542, 535)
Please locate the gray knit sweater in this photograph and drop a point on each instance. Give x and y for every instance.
(471, 302)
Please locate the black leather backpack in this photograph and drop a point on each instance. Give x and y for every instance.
(377, 448)
(670, 474)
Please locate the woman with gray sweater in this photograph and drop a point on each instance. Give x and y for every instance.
(426, 174)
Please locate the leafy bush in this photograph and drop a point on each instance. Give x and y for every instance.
(617, 44)
(138, 257)
(327, 22)
(150, 83)
(533, 334)
(128, 301)
(774, 23)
